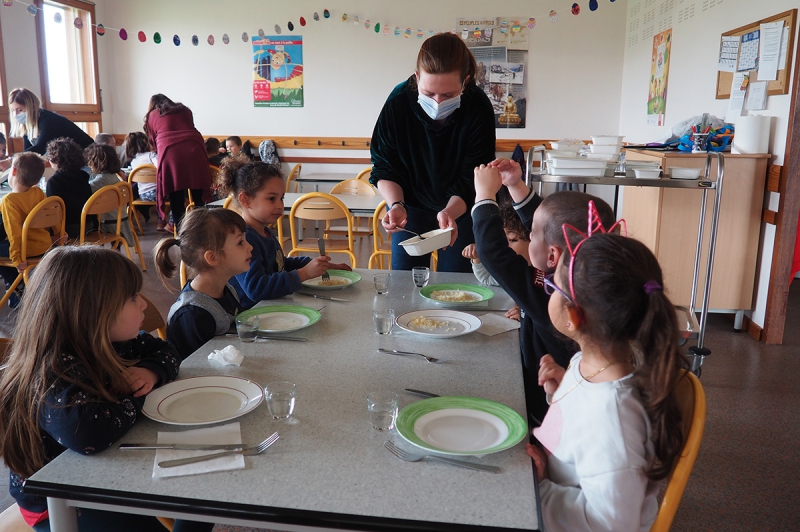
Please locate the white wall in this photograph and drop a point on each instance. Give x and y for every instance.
(693, 81)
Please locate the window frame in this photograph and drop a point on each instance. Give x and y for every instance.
(4, 112)
(76, 112)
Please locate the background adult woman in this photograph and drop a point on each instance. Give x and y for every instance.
(433, 130)
(39, 126)
(182, 161)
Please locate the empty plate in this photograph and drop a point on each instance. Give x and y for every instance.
(282, 318)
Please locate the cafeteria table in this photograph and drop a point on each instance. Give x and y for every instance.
(329, 470)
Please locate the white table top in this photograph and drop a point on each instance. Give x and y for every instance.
(356, 203)
(325, 177)
(330, 467)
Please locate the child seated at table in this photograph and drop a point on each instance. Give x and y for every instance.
(614, 428)
(69, 182)
(26, 171)
(103, 162)
(214, 249)
(523, 279)
(518, 237)
(78, 373)
(214, 151)
(259, 189)
(234, 146)
(138, 152)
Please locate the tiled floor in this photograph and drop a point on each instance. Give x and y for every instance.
(747, 476)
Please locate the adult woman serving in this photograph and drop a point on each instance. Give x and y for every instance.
(39, 126)
(433, 130)
(182, 159)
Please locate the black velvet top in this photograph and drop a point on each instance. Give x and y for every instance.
(53, 126)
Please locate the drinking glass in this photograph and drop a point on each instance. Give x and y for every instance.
(382, 282)
(421, 274)
(247, 329)
(384, 320)
(280, 399)
(382, 410)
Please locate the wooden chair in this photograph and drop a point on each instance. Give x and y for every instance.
(49, 213)
(153, 320)
(692, 401)
(364, 174)
(291, 181)
(352, 187)
(147, 173)
(318, 206)
(127, 198)
(381, 242)
(104, 200)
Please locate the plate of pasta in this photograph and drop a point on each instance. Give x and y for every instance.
(456, 294)
(339, 279)
(439, 323)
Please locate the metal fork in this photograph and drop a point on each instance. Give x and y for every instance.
(249, 451)
(432, 360)
(321, 243)
(411, 457)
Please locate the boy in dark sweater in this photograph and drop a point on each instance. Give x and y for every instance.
(70, 182)
(523, 282)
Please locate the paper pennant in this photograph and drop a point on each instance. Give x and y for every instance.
(157, 38)
(195, 40)
(420, 33)
(344, 17)
(277, 30)
(78, 23)
(57, 18)
(245, 37)
(142, 36)
(593, 5)
(367, 24)
(123, 34)
(487, 33)
(504, 27)
(261, 33)
(516, 27)
(32, 11)
(176, 40)
(290, 26)
(553, 16)
(302, 21)
(377, 27)
(397, 31)
(386, 29)
(225, 38)
(7, 3)
(576, 9)
(408, 33)
(316, 15)
(210, 40)
(101, 30)
(531, 23)
(326, 14)
(465, 34)
(430, 33)
(355, 20)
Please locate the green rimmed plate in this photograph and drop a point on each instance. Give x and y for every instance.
(282, 318)
(477, 293)
(343, 277)
(461, 425)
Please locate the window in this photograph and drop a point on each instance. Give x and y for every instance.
(68, 61)
(4, 124)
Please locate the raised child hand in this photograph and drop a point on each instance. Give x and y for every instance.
(487, 182)
(470, 253)
(315, 268)
(141, 380)
(510, 171)
(550, 374)
(539, 459)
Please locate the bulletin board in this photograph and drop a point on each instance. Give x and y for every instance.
(778, 86)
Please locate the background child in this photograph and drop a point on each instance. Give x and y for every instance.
(69, 182)
(259, 189)
(614, 427)
(78, 372)
(213, 148)
(214, 249)
(524, 282)
(26, 171)
(103, 162)
(138, 152)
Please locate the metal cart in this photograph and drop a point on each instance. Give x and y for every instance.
(690, 328)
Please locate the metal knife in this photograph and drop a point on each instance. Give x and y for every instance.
(286, 338)
(329, 298)
(182, 447)
(420, 392)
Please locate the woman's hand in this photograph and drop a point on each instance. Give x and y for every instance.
(539, 459)
(395, 217)
(446, 221)
(550, 374)
(141, 380)
(315, 268)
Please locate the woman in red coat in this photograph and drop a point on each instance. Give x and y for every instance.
(182, 159)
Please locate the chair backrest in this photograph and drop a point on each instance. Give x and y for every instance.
(291, 181)
(692, 402)
(104, 200)
(50, 212)
(153, 320)
(364, 174)
(377, 226)
(232, 204)
(320, 206)
(354, 187)
(126, 191)
(146, 173)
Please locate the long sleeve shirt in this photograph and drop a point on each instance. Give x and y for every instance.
(52, 126)
(15, 207)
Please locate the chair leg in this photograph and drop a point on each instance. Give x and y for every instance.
(138, 221)
(137, 247)
(10, 290)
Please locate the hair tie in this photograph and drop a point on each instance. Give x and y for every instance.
(178, 242)
(651, 286)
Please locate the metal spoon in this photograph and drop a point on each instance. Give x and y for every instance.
(412, 232)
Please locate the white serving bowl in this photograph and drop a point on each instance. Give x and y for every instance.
(607, 140)
(550, 154)
(603, 156)
(647, 173)
(433, 240)
(605, 148)
(684, 173)
(566, 146)
(581, 172)
(575, 162)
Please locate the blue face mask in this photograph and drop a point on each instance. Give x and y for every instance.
(438, 111)
(21, 117)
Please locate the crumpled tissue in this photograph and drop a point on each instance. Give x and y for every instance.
(229, 356)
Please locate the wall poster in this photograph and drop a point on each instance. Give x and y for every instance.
(278, 71)
(659, 75)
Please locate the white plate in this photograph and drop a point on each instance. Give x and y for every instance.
(461, 430)
(350, 278)
(203, 400)
(457, 323)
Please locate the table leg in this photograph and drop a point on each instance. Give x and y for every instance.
(62, 517)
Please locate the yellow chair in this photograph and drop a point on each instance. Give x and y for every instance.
(692, 402)
(104, 200)
(11, 520)
(146, 173)
(381, 242)
(351, 187)
(49, 213)
(127, 198)
(291, 181)
(318, 206)
(230, 204)
(153, 320)
(364, 174)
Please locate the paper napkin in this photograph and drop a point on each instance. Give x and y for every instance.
(228, 356)
(224, 434)
(493, 324)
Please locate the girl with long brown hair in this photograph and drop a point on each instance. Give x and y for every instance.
(613, 429)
